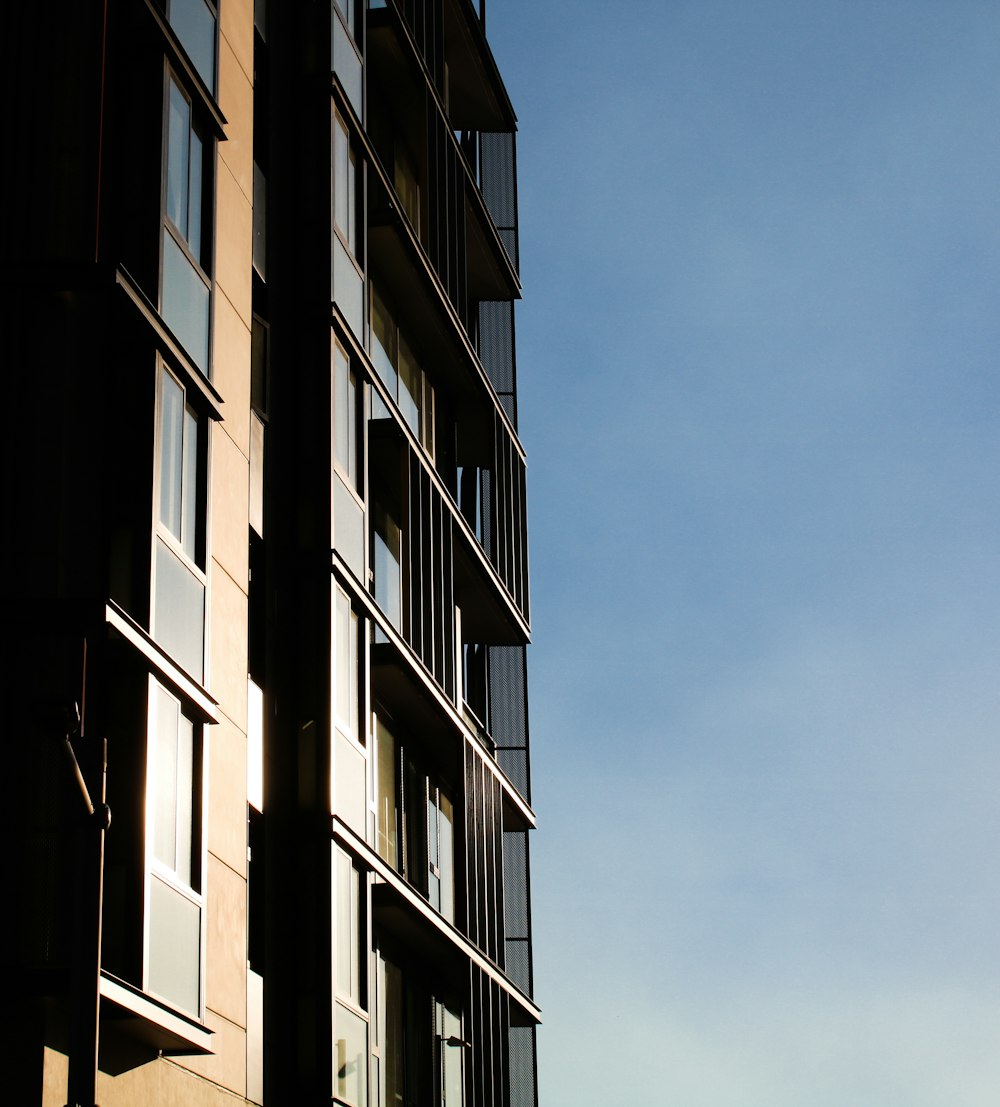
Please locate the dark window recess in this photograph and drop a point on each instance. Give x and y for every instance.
(415, 820)
(491, 497)
(418, 1037)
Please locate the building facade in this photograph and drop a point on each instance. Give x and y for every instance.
(268, 688)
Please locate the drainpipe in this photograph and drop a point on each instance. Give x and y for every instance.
(88, 902)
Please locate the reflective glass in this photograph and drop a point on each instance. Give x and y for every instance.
(346, 654)
(348, 932)
(345, 415)
(387, 582)
(185, 301)
(386, 801)
(173, 835)
(165, 780)
(446, 854)
(344, 183)
(349, 527)
(193, 230)
(451, 1061)
(174, 946)
(178, 166)
(347, 65)
(194, 24)
(171, 452)
(179, 611)
(189, 484)
(351, 1058)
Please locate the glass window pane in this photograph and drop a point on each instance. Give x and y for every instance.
(351, 1057)
(184, 866)
(178, 169)
(174, 947)
(189, 495)
(194, 24)
(392, 1035)
(346, 660)
(348, 929)
(171, 452)
(347, 66)
(451, 1027)
(185, 301)
(179, 611)
(386, 802)
(165, 779)
(344, 183)
(349, 527)
(446, 857)
(345, 415)
(410, 381)
(194, 200)
(387, 579)
(346, 8)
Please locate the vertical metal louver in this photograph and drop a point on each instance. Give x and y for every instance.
(509, 714)
(498, 184)
(522, 1067)
(496, 351)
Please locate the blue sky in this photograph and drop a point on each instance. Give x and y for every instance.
(758, 365)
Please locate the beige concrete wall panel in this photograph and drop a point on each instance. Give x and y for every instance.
(54, 1076)
(236, 101)
(234, 242)
(158, 1082)
(226, 944)
(227, 807)
(228, 649)
(230, 506)
(236, 27)
(231, 371)
(228, 1064)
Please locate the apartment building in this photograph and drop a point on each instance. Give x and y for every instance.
(268, 727)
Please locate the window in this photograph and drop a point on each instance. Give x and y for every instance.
(351, 1024)
(178, 564)
(347, 288)
(348, 795)
(345, 415)
(185, 285)
(194, 22)
(414, 822)
(345, 184)
(348, 506)
(386, 565)
(346, 665)
(414, 1061)
(400, 372)
(346, 9)
(450, 1050)
(174, 853)
(440, 851)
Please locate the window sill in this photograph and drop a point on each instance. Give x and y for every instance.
(151, 1021)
